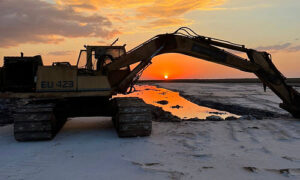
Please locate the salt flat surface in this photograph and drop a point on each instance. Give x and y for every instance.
(88, 148)
(242, 94)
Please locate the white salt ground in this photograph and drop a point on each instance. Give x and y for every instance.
(88, 148)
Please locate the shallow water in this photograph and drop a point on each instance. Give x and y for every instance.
(172, 102)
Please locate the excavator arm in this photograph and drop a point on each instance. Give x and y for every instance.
(210, 49)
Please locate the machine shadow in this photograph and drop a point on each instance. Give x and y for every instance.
(87, 124)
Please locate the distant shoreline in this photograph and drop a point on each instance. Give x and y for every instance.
(241, 80)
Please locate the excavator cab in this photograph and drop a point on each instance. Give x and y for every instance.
(98, 57)
(94, 59)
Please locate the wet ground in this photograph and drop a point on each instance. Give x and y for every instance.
(245, 99)
(172, 102)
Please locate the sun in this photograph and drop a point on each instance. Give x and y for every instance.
(166, 76)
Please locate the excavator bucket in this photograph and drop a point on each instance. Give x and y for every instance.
(271, 77)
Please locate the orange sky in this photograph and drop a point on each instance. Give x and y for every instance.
(58, 29)
(178, 66)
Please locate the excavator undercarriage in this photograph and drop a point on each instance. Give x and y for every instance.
(54, 93)
(41, 119)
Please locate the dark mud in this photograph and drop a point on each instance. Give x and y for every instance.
(246, 112)
(163, 116)
(176, 107)
(163, 102)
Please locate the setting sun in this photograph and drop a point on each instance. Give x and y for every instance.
(166, 76)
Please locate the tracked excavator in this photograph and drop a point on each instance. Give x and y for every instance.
(53, 93)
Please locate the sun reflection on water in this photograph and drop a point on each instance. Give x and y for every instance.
(172, 102)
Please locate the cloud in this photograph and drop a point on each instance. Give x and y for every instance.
(154, 11)
(164, 22)
(117, 4)
(100, 42)
(84, 6)
(165, 8)
(274, 47)
(60, 53)
(289, 47)
(35, 21)
(294, 48)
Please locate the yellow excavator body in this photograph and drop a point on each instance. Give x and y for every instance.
(64, 78)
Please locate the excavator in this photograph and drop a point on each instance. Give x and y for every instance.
(51, 94)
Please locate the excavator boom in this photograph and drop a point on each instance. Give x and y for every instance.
(209, 49)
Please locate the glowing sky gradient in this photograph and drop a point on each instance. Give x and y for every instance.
(58, 29)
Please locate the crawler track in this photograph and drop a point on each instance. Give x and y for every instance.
(37, 121)
(132, 117)
(7, 108)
